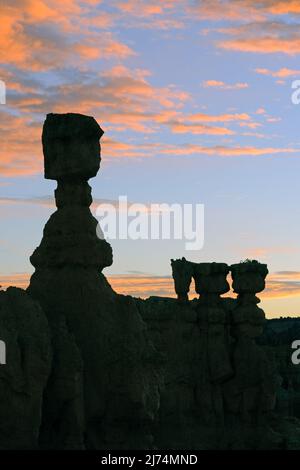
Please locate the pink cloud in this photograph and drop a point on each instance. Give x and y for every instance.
(224, 86)
(262, 37)
(222, 151)
(181, 128)
(243, 10)
(260, 111)
(281, 73)
(278, 285)
(227, 117)
(45, 34)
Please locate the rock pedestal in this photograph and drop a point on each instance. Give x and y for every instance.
(254, 384)
(112, 393)
(248, 279)
(214, 362)
(210, 283)
(182, 271)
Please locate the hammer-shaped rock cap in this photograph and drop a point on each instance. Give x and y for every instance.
(71, 146)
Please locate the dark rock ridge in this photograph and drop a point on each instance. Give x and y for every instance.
(90, 369)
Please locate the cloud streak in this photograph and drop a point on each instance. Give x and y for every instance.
(225, 86)
(262, 38)
(281, 73)
(40, 35)
(282, 284)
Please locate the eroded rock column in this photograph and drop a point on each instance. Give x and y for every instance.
(253, 389)
(117, 388)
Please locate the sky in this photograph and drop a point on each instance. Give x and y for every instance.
(195, 99)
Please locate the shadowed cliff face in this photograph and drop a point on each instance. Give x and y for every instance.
(115, 395)
(221, 387)
(219, 384)
(24, 329)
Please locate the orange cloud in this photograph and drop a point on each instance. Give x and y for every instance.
(138, 286)
(148, 9)
(223, 151)
(180, 128)
(201, 117)
(196, 123)
(109, 48)
(239, 10)
(281, 7)
(46, 201)
(45, 34)
(120, 99)
(281, 73)
(143, 286)
(262, 37)
(124, 102)
(256, 134)
(140, 8)
(263, 45)
(15, 279)
(103, 21)
(251, 125)
(153, 14)
(284, 284)
(117, 149)
(213, 83)
(233, 10)
(223, 86)
(147, 150)
(266, 31)
(20, 154)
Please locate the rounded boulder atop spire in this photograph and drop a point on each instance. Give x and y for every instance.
(71, 146)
